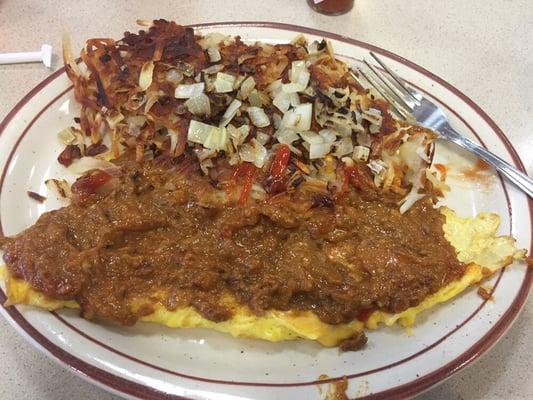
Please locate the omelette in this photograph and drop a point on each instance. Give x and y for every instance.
(255, 189)
(474, 239)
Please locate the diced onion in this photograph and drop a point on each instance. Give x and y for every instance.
(255, 99)
(214, 54)
(187, 91)
(299, 118)
(274, 88)
(311, 137)
(282, 101)
(377, 167)
(262, 137)
(305, 111)
(238, 81)
(199, 105)
(299, 77)
(361, 153)
(217, 139)
(66, 136)
(253, 152)
(238, 135)
(297, 68)
(146, 75)
(224, 83)
(258, 117)
(319, 150)
(290, 120)
(213, 69)
(286, 136)
(246, 87)
(295, 99)
(230, 112)
(209, 136)
(343, 147)
(328, 135)
(373, 116)
(319, 144)
(198, 131)
(291, 88)
(204, 154)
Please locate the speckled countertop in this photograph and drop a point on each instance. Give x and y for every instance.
(483, 47)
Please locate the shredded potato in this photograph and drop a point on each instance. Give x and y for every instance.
(142, 91)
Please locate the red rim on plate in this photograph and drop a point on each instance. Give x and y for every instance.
(416, 386)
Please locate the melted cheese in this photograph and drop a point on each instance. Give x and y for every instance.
(474, 239)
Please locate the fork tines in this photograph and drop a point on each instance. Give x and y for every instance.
(390, 87)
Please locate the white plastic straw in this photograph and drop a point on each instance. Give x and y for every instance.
(44, 56)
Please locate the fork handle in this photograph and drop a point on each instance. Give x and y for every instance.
(520, 179)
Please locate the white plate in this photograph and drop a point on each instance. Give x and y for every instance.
(149, 361)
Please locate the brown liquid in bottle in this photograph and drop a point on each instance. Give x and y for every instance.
(331, 7)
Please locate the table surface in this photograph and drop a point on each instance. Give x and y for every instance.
(483, 47)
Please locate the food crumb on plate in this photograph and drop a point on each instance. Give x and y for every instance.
(485, 293)
(336, 389)
(36, 196)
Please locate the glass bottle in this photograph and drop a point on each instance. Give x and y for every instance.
(331, 7)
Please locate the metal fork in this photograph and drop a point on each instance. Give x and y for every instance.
(407, 103)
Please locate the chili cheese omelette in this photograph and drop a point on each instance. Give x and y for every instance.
(255, 189)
